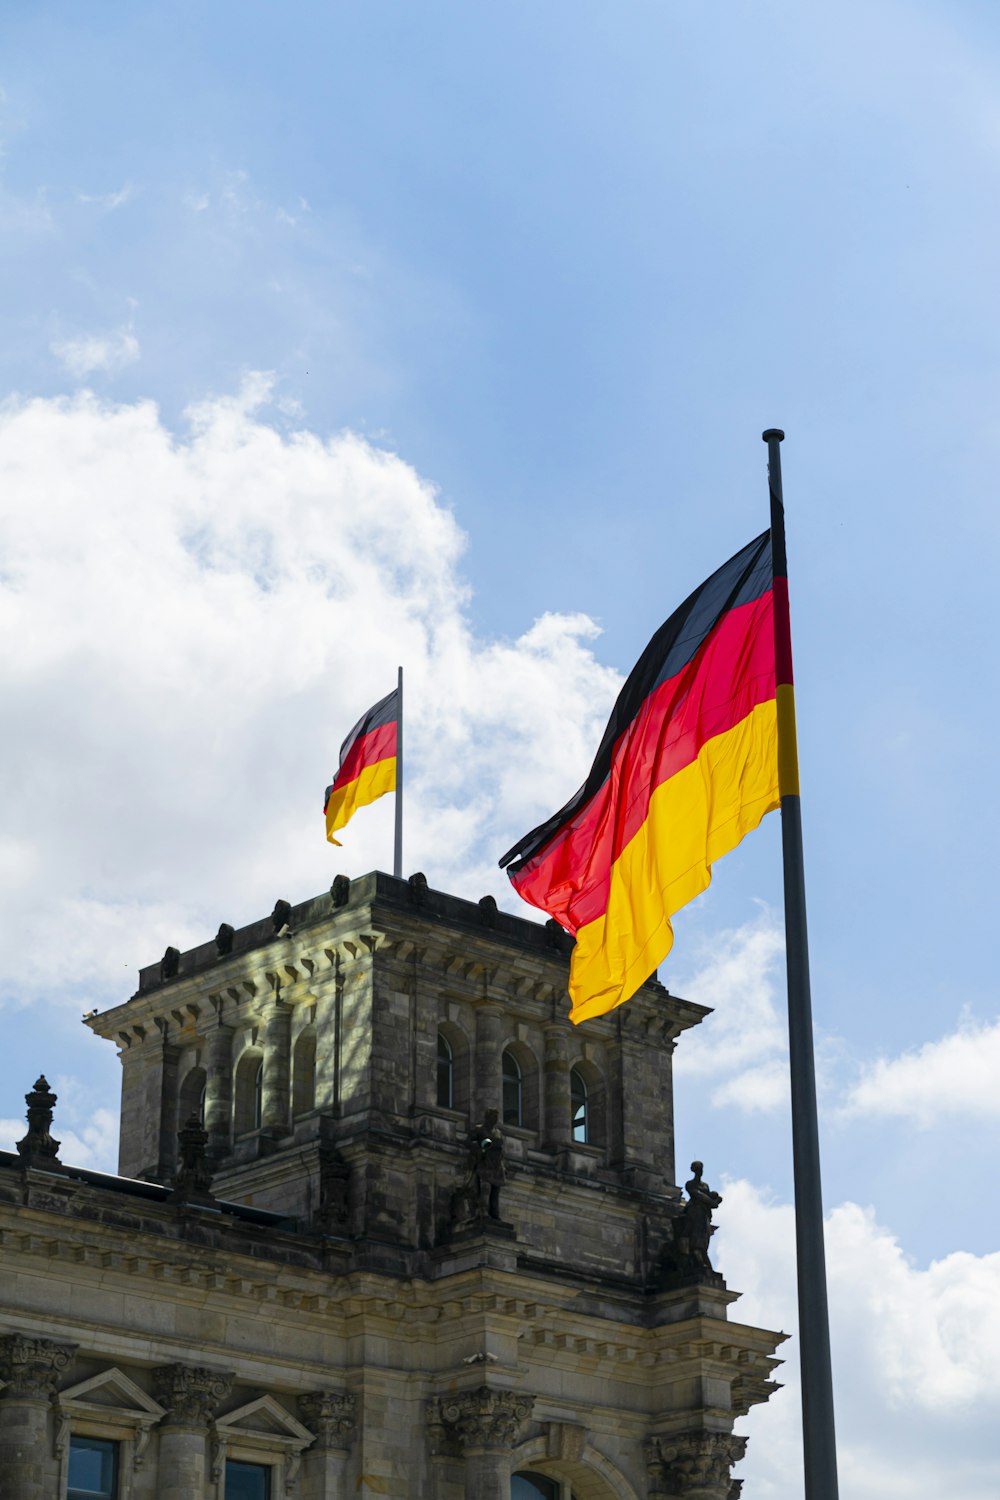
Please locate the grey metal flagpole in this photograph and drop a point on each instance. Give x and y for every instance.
(397, 854)
(818, 1433)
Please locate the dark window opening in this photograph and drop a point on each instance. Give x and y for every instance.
(247, 1481)
(578, 1101)
(93, 1469)
(513, 1091)
(527, 1486)
(445, 1073)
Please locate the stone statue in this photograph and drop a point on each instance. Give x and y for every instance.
(686, 1254)
(486, 1160)
(193, 1179)
(486, 1176)
(698, 1216)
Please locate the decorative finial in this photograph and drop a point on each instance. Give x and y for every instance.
(38, 1145)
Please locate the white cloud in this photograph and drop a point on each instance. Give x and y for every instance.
(199, 619)
(106, 352)
(743, 1044)
(109, 201)
(913, 1354)
(955, 1077)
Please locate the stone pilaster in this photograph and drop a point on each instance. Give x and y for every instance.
(191, 1394)
(694, 1465)
(275, 1103)
(486, 1072)
(31, 1368)
(558, 1122)
(482, 1425)
(166, 1146)
(219, 1093)
(333, 1418)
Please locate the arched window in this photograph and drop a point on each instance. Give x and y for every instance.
(445, 1073)
(248, 1085)
(191, 1098)
(513, 1090)
(578, 1101)
(528, 1486)
(304, 1072)
(588, 1104)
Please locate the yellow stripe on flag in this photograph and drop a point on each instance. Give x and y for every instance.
(694, 819)
(370, 783)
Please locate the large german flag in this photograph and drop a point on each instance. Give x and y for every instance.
(367, 764)
(688, 765)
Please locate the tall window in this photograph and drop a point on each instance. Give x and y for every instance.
(513, 1091)
(247, 1481)
(258, 1095)
(304, 1073)
(578, 1101)
(248, 1085)
(93, 1469)
(445, 1073)
(191, 1100)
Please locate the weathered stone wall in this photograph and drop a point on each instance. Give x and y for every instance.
(318, 1281)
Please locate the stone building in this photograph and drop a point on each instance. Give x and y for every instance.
(385, 1225)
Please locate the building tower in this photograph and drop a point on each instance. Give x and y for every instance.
(386, 1225)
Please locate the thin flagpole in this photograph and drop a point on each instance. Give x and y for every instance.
(818, 1432)
(397, 854)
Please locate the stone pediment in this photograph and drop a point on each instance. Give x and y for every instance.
(113, 1393)
(265, 1420)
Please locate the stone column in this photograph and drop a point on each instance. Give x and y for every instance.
(219, 1093)
(328, 1008)
(483, 1426)
(31, 1368)
(167, 1147)
(694, 1465)
(275, 1104)
(190, 1393)
(489, 1045)
(558, 1121)
(332, 1417)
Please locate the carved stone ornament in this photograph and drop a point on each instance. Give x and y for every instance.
(32, 1367)
(190, 1392)
(38, 1145)
(482, 1418)
(332, 1417)
(193, 1180)
(696, 1464)
(340, 890)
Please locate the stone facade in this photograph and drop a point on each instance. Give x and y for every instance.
(300, 1272)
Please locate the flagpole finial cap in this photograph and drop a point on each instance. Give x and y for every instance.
(773, 432)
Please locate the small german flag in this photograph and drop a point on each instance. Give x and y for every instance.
(367, 764)
(687, 766)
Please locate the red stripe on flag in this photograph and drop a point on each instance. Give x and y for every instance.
(367, 750)
(730, 675)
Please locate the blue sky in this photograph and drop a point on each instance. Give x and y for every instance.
(554, 267)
